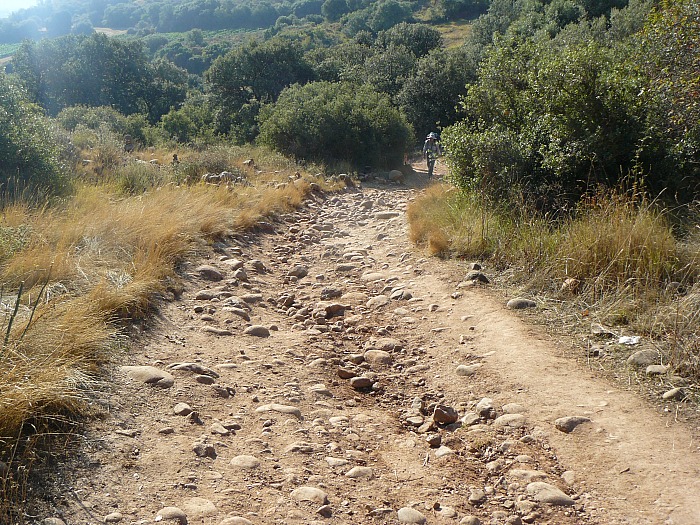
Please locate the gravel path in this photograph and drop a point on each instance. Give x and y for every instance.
(329, 373)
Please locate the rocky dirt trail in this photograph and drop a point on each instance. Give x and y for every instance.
(328, 373)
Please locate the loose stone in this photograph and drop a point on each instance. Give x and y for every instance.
(510, 420)
(656, 370)
(361, 383)
(245, 462)
(325, 510)
(172, 513)
(182, 409)
(236, 520)
(311, 494)
(519, 304)
(477, 497)
(546, 493)
(283, 409)
(199, 508)
(257, 331)
(378, 357)
(209, 272)
(485, 408)
(674, 394)
(445, 415)
(569, 423)
(149, 375)
(114, 517)
(411, 515)
(467, 370)
(360, 472)
(643, 358)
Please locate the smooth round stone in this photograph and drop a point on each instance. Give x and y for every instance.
(673, 394)
(172, 513)
(199, 508)
(205, 380)
(114, 517)
(411, 515)
(245, 462)
(257, 331)
(360, 472)
(510, 420)
(378, 357)
(311, 494)
(470, 520)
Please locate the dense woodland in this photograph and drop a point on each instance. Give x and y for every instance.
(538, 100)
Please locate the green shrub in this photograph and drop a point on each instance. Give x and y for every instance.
(30, 160)
(327, 122)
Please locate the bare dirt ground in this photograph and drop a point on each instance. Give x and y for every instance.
(330, 373)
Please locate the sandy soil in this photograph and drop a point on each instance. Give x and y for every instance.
(342, 408)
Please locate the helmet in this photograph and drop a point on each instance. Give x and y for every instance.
(432, 135)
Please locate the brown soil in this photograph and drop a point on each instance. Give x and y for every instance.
(627, 465)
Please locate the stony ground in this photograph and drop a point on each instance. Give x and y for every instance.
(328, 373)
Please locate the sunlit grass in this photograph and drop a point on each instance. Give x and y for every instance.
(93, 263)
(619, 249)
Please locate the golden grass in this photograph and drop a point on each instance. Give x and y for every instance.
(620, 248)
(102, 258)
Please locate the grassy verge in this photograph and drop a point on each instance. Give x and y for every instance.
(619, 261)
(75, 274)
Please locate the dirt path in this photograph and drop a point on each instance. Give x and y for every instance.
(328, 373)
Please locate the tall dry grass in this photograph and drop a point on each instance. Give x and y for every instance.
(91, 264)
(619, 249)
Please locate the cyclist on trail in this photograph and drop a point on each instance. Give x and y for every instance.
(431, 151)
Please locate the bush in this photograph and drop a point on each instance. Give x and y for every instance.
(29, 159)
(327, 122)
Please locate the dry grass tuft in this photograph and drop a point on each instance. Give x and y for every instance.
(620, 250)
(99, 261)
